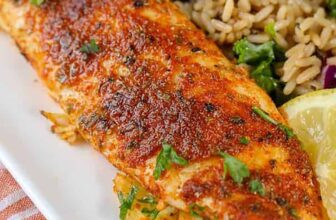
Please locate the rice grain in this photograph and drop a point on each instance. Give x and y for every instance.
(302, 29)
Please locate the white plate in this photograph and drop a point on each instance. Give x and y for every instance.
(64, 182)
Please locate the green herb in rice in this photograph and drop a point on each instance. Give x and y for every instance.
(270, 29)
(36, 2)
(262, 58)
(331, 6)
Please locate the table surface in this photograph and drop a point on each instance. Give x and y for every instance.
(14, 203)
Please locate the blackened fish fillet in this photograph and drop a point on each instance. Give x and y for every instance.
(153, 78)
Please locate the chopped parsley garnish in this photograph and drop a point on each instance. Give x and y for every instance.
(244, 140)
(270, 29)
(263, 76)
(90, 48)
(36, 2)
(293, 212)
(148, 199)
(257, 187)
(126, 202)
(253, 54)
(288, 131)
(331, 6)
(262, 58)
(195, 210)
(237, 169)
(166, 158)
(151, 213)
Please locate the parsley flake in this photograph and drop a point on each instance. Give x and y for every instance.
(90, 48)
(257, 187)
(293, 212)
(195, 210)
(270, 29)
(237, 169)
(244, 140)
(151, 213)
(253, 54)
(263, 76)
(331, 6)
(36, 2)
(166, 158)
(288, 131)
(126, 202)
(148, 200)
(262, 57)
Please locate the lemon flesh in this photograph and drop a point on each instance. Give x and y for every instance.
(313, 118)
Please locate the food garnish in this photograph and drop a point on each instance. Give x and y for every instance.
(253, 54)
(166, 158)
(237, 169)
(126, 202)
(293, 212)
(90, 48)
(36, 2)
(148, 199)
(257, 187)
(262, 58)
(270, 29)
(288, 131)
(331, 6)
(196, 210)
(244, 140)
(151, 213)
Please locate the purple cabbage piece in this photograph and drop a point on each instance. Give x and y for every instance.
(329, 77)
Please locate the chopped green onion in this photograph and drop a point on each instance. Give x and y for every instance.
(126, 202)
(151, 213)
(264, 115)
(288, 131)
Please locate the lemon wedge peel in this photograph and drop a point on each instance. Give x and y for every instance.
(313, 119)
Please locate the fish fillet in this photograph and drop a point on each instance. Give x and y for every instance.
(155, 78)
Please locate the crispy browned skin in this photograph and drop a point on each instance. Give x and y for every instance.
(157, 78)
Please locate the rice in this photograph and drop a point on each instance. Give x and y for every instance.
(303, 29)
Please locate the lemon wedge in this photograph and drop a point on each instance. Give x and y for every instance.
(313, 118)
